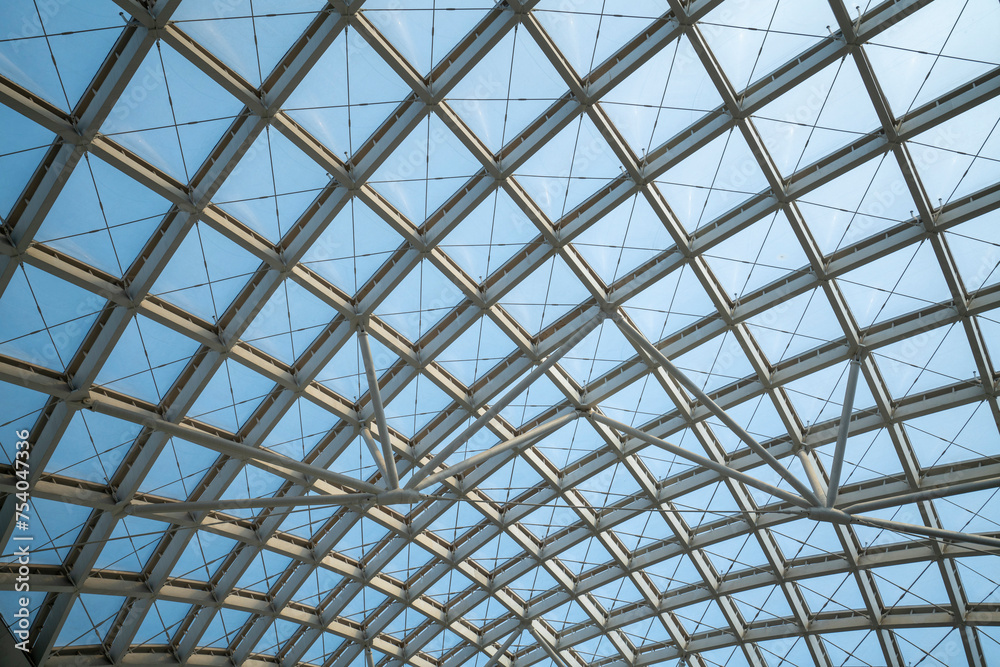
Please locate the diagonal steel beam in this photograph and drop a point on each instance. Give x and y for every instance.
(388, 457)
(255, 456)
(393, 497)
(538, 432)
(841, 517)
(697, 459)
(922, 494)
(638, 339)
(495, 658)
(845, 426)
(376, 453)
(504, 400)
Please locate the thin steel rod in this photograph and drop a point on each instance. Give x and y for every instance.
(502, 402)
(538, 432)
(923, 494)
(373, 449)
(388, 458)
(839, 516)
(394, 497)
(715, 466)
(255, 456)
(495, 658)
(714, 408)
(845, 426)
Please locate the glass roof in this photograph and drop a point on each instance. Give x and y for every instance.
(537, 332)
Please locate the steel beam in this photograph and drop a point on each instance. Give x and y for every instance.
(833, 488)
(839, 516)
(639, 340)
(697, 459)
(507, 446)
(392, 497)
(388, 456)
(921, 495)
(502, 402)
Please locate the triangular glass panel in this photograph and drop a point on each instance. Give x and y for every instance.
(801, 323)
(231, 396)
(538, 397)
(146, 360)
(570, 443)
(300, 429)
(765, 603)
(831, 593)
(352, 247)
(752, 40)
(929, 647)
(629, 235)
(764, 252)
(975, 245)
(289, 321)
(419, 301)
(716, 363)
(916, 583)
(639, 402)
(604, 348)
(22, 147)
(263, 571)
(346, 95)
(649, 107)
(345, 372)
(251, 482)
(819, 396)
(58, 48)
(959, 156)
(589, 34)
(854, 647)
(130, 545)
(489, 235)
(970, 512)
(568, 168)
(415, 405)
(271, 186)
(867, 456)
(672, 303)
(249, 37)
(93, 447)
(701, 617)
(427, 167)
(712, 180)
(61, 525)
(102, 217)
(710, 503)
(954, 48)
(89, 620)
(496, 105)
(205, 273)
(478, 349)
(956, 434)
(54, 317)
(204, 557)
(906, 280)
(171, 113)
(857, 205)
(936, 358)
(543, 297)
(424, 31)
(829, 110)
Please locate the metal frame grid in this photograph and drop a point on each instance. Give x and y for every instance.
(522, 633)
